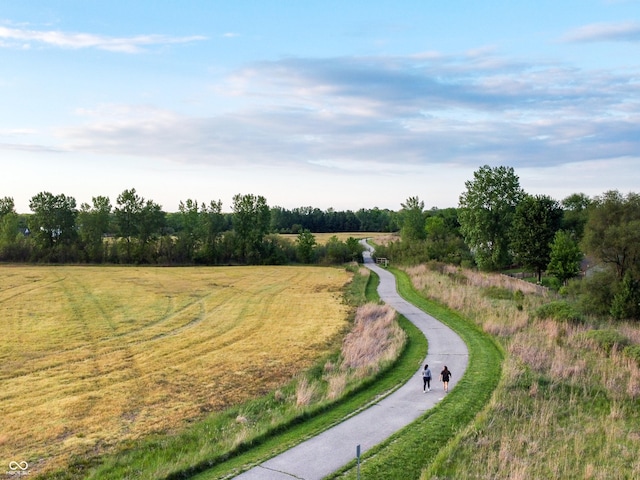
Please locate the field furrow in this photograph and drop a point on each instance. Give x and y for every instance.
(91, 357)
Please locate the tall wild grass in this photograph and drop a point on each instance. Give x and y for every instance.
(565, 407)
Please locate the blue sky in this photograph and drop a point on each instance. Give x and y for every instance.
(330, 104)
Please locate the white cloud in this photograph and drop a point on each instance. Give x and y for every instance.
(602, 32)
(25, 38)
(343, 113)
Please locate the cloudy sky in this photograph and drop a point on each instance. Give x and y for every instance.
(331, 104)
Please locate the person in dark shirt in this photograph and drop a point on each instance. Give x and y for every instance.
(445, 375)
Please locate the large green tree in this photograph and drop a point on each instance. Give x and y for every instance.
(612, 233)
(8, 226)
(191, 232)
(214, 225)
(486, 212)
(127, 214)
(305, 245)
(8, 220)
(565, 257)
(151, 226)
(535, 223)
(413, 220)
(576, 213)
(251, 221)
(94, 222)
(53, 222)
(139, 221)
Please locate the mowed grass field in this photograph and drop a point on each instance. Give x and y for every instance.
(91, 357)
(323, 238)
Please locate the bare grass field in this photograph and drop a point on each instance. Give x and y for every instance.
(323, 238)
(92, 357)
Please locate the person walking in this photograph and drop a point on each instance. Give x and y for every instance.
(445, 375)
(426, 379)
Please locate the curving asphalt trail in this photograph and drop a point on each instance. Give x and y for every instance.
(327, 452)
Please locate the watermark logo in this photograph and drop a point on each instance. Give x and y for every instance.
(18, 468)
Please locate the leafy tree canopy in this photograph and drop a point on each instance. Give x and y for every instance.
(486, 212)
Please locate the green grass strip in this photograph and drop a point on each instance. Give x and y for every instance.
(421, 445)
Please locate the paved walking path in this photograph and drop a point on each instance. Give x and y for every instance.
(327, 452)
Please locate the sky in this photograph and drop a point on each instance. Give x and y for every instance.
(330, 104)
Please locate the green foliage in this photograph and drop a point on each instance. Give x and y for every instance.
(251, 221)
(443, 243)
(576, 214)
(595, 292)
(633, 352)
(306, 243)
(535, 222)
(518, 298)
(486, 214)
(8, 221)
(559, 310)
(608, 339)
(335, 251)
(413, 220)
(565, 257)
(612, 233)
(626, 302)
(95, 222)
(497, 293)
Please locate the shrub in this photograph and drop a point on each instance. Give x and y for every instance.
(633, 352)
(608, 339)
(595, 292)
(518, 298)
(497, 293)
(560, 310)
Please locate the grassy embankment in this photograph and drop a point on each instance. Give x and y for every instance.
(568, 403)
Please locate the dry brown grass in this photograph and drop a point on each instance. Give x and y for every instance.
(384, 238)
(461, 290)
(323, 238)
(375, 339)
(565, 409)
(90, 357)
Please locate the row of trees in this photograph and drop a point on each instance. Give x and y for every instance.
(137, 230)
(498, 226)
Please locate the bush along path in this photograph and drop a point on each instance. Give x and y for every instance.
(333, 449)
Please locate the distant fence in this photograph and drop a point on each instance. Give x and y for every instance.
(382, 261)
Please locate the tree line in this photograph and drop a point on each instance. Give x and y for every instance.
(498, 226)
(137, 231)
